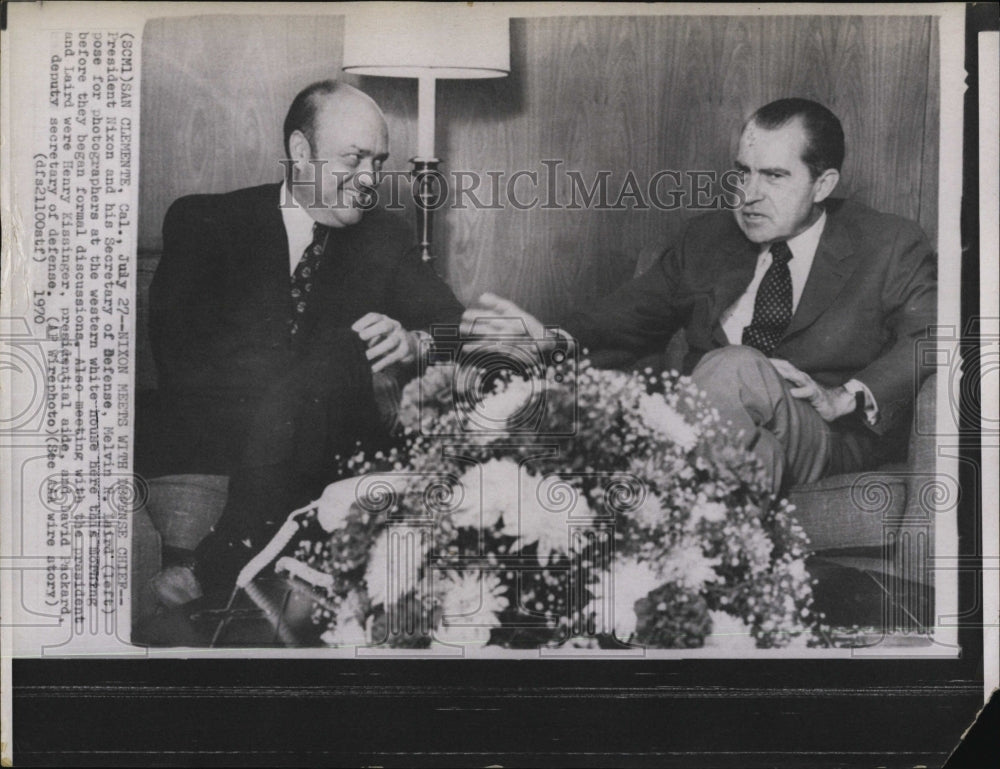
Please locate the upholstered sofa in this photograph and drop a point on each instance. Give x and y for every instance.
(884, 516)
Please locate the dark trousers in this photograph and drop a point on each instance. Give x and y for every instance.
(318, 413)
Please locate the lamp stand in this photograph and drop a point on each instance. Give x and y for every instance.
(424, 172)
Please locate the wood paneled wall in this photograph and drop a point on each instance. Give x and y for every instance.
(596, 93)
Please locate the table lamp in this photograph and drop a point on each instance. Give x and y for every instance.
(431, 44)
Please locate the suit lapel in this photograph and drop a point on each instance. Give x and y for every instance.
(836, 259)
(345, 255)
(741, 261)
(269, 246)
(271, 231)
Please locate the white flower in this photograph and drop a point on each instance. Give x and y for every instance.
(335, 503)
(631, 581)
(650, 513)
(390, 575)
(347, 631)
(423, 398)
(666, 422)
(688, 566)
(713, 512)
(797, 570)
(757, 548)
(489, 491)
(547, 504)
(377, 572)
(506, 400)
(372, 491)
(729, 632)
(470, 603)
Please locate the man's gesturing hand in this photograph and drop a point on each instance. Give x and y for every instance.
(831, 403)
(388, 342)
(492, 316)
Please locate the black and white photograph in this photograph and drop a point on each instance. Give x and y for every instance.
(552, 396)
(482, 352)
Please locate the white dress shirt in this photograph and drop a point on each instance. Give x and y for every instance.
(740, 315)
(298, 227)
(803, 247)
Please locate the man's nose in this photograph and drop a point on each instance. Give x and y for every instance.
(367, 175)
(751, 188)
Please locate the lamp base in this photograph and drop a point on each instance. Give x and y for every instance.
(425, 172)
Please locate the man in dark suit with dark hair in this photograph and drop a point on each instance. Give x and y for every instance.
(801, 313)
(270, 312)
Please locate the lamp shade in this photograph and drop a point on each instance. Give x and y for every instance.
(455, 42)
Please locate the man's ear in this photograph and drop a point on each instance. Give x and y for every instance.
(825, 183)
(298, 147)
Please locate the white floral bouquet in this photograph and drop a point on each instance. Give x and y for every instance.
(577, 507)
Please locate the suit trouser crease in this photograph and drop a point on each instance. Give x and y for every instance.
(790, 439)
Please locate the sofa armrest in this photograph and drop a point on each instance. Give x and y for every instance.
(928, 495)
(923, 483)
(923, 440)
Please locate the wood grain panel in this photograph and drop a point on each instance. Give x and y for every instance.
(597, 94)
(215, 90)
(930, 149)
(892, 109)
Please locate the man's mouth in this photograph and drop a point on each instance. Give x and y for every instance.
(753, 216)
(357, 198)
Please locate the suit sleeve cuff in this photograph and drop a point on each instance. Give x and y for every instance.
(854, 386)
(424, 341)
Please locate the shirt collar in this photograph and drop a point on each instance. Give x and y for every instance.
(298, 223)
(803, 246)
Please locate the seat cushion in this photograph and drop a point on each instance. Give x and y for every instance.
(850, 510)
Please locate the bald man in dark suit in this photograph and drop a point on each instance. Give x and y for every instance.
(271, 310)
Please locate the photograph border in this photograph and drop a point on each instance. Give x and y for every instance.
(513, 712)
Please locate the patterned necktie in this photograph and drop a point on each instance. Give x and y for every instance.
(772, 309)
(305, 271)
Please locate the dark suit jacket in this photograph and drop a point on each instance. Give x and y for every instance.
(871, 293)
(220, 310)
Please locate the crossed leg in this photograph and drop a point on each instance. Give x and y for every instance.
(793, 443)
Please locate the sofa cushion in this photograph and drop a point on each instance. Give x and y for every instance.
(850, 510)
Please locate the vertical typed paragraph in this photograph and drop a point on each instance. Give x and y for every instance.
(82, 296)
